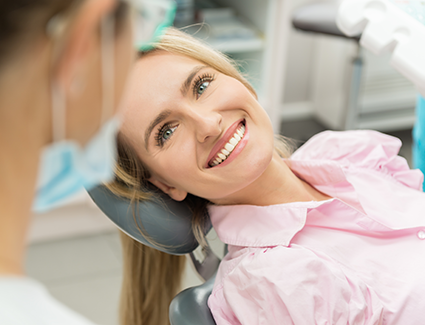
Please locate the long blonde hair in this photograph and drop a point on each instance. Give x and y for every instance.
(152, 278)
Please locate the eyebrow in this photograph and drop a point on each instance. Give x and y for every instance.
(160, 117)
(188, 81)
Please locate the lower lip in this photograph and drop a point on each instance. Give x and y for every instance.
(238, 149)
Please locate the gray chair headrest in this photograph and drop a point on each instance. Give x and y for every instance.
(165, 221)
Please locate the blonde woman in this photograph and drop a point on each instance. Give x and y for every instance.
(332, 235)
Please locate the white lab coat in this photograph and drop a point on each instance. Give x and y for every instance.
(24, 301)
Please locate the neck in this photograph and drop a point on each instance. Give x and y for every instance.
(23, 109)
(277, 185)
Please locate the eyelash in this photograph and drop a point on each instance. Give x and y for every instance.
(159, 136)
(200, 80)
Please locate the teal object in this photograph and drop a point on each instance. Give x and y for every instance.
(167, 22)
(419, 137)
(161, 14)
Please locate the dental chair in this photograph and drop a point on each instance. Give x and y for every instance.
(167, 223)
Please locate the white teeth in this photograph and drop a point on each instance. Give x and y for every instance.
(229, 147)
(233, 141)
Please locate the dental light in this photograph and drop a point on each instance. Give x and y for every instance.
(390, 26)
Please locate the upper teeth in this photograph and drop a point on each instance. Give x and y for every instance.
(228, 147)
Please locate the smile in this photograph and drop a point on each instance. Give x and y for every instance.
(226, 150)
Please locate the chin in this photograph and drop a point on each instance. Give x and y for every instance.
(253, 167)
(259, 164)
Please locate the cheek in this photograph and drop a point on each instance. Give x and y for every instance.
(176, 165)
(232, 94)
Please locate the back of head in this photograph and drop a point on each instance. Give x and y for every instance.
(23, 21)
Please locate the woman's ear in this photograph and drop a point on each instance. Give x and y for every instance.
(174, 193)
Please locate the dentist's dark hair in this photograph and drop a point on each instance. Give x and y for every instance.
(23, 22)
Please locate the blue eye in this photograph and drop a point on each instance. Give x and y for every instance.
(168, 133)
(202, 87)
(201, 84)
(164, 134)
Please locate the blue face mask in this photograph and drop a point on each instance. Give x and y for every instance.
(66, 167)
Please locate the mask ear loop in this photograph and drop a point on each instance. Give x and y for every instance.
(108, 64)
(54, 29)
(58, 113)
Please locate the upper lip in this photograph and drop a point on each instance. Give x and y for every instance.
(223, 140)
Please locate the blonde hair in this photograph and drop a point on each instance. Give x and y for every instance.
(151, 279)
(143, 265)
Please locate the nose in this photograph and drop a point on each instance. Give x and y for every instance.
(207, 125)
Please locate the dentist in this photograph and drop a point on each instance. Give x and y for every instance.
(63, 67)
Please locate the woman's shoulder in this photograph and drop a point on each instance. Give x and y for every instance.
(364, 149)
(361, 148)
(349, 145)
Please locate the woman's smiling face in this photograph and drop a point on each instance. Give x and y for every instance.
(196, 130)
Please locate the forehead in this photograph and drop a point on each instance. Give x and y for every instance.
(157, 76)
(153, 69)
